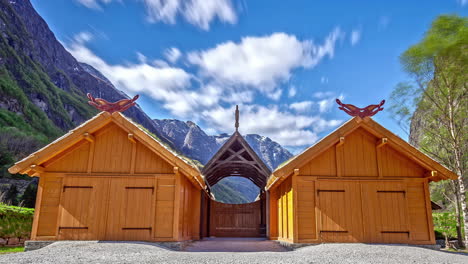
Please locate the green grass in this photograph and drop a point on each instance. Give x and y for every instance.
(7, 250)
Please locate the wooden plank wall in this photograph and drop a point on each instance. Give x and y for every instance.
(285, 211)
(366, 181)
(141, 195)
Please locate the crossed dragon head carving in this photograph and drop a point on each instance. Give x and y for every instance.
(109, 107)
(353, 110)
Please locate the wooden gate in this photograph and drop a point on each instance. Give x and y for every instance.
(236, 220)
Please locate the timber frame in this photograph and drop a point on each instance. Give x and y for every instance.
(32, 165)
(435, 171)
(236, 158)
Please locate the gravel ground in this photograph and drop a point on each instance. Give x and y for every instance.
(139, 252)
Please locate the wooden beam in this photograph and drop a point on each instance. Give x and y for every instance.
(92, 147)
(378, 151)
(133, 157)
(89, 137)
(339, 157)
(296, 172)
(37, 168)
(341, 142)
(432, 176)
(131, 137)
(382, 142)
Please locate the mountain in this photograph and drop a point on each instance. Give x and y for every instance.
(47, 75)
(191, 140)
(43, 94)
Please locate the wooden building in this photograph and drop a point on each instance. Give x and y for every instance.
(361, 183)
(235, 158)
(110, 180)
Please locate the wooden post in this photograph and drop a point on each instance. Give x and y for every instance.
(339, 157)
(378, 151)
(295, 207)
(37, 208)
(90, 138)
(177, 193)
(131, 138)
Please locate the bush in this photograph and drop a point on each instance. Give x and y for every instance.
(15, 221)
(445, 224)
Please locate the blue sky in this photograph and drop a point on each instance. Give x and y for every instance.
(283, 62)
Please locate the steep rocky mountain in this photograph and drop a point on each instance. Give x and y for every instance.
(191, 140)
(47, 75)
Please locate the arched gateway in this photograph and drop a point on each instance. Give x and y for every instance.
(235, 158)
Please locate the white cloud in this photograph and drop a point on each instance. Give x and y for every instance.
(261, 62)
(172, 54)
(205, 98)
(197, 12)
(303, 106)
(292, 91)
(93, 4)
(324, 80)
(270, 121)
(462, 2)
(326, 104)
(160, 82)
(321, 95)
(355, 36)
(83, 37)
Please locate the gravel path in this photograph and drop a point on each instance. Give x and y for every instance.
(139, 252)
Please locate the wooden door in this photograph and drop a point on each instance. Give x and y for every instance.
(340, 217)
(385, 212)
(82, 208)
(235, 220)
(131, 209)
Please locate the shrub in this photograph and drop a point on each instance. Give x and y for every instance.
(445, 224)
(15, 221)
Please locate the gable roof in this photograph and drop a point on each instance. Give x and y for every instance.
(236, 158)
(75, 135)
(286, 169)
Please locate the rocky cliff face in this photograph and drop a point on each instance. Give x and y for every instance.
(191, 140)
(29, 45)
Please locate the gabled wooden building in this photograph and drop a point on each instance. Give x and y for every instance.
(108, 179)
(361, 183)
(235, 158)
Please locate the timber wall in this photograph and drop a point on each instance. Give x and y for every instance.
(356, 191)
(114, 188)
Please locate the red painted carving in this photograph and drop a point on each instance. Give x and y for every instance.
(106, 106)
(353, 110)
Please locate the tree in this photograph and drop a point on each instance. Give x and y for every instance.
(445, 223)
(434, 105)
(11, 196)
(28, 199)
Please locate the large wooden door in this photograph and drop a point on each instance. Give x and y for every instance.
(131, 209)
(385, 212)
(235, 220)
(340, 217)
(82, 208)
